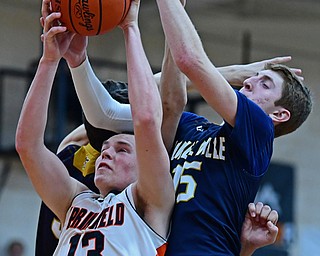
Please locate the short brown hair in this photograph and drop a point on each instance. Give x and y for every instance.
(296, 98)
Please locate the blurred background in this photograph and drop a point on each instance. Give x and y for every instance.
(233, 32)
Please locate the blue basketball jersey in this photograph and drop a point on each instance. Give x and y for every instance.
(216, 171)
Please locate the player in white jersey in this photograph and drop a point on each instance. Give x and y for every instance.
(92, 218)
(133, 222)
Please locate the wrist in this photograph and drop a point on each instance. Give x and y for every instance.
(247, 248)
(76, 62)
(48, 61)
(129, 26)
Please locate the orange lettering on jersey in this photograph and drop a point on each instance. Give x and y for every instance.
(76, 217)
(81, 219)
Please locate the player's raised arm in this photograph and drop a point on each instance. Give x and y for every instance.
(48, 175)
(154, 189)
(173, 93)
(188, 53)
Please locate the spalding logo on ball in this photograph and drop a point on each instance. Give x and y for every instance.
(91, 17)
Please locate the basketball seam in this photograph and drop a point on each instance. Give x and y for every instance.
(100, 17)
(124, 11)
(70, 15)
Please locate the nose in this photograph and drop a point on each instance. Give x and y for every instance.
(107, 153)
(247, 84)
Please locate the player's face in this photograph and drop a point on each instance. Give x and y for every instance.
(116, 167)
(264, 89)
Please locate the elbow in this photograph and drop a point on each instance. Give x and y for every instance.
(20, 144)
(183, 62)
(174, 106)
(147, 122)
(188, 63)
(23, 142)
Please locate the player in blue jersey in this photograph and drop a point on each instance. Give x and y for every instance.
(217, 169)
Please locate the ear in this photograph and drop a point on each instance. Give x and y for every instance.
(280, 116)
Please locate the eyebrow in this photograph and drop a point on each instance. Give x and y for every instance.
(121, 143)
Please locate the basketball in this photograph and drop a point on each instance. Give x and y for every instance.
(91, 17)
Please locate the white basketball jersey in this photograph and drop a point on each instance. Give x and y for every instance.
(107, 226)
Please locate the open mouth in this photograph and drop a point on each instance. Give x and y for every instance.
(104, 165)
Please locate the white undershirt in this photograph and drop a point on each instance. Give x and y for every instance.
(100, 109)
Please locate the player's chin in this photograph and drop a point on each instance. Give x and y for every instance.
(101, 176)
(100, 181)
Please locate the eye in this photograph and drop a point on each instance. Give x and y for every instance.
(264, 85)
(123, 150)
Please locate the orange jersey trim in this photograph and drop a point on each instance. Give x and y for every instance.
(161, 250)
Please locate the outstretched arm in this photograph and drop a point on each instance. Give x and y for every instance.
(259, 228)
(100, 109)
(47, 173)
(237, 73)
(173, 93)
(189, 55)
(154, 193)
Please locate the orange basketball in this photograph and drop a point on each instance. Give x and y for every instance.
(91, 17)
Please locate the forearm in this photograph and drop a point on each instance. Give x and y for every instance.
(47, 173)
(189, 55)
(152, 158)
(33, 118)
(140, 78)
(100, 109)
(181, 36)
(236, 74)
(31, 127)
(174, 97)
